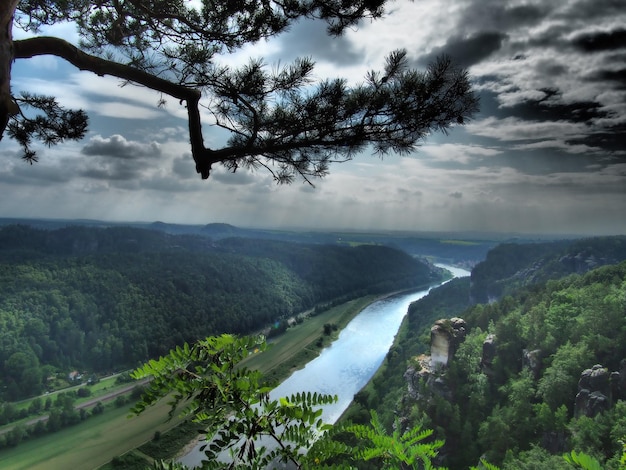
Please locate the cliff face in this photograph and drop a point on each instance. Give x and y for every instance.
(445, 338)
(427, 374)
(511, 266)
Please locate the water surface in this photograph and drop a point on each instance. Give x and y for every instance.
(344, 367)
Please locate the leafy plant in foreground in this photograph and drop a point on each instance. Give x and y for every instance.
(398, 450)
(245, 428)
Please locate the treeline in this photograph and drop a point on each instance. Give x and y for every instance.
(517, 406)
(103, 299)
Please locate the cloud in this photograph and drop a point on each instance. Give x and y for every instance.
(460, 153)
(500, 15)
(118, 147)
(310, 38)
(513, 129)
(600, 40)
(467, 51)
(240, 177)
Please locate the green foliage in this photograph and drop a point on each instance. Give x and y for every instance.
(398, 450)
(230, 402)
(520, 411)
(558, 384)
(51, 123)
(581, 460)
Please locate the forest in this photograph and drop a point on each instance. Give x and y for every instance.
(99, 300)
(539, 370)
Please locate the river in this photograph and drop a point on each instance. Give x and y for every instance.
(347, 365)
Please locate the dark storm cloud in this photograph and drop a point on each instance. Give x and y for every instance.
(608, 141)
(612, 139)
(618, 77)
(601, 41)
(547, 108)
(456, 195)
(467, 51)
(310, 38)
(495, 15)
(118, 147)
(593, 9)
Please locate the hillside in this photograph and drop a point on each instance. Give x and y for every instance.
(536, 374)
(510, 266)
(98, 299)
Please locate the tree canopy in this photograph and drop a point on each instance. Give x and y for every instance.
(278, 119)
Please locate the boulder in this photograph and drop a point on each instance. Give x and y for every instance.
(595, 391)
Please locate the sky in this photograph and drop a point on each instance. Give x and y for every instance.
(546, 154)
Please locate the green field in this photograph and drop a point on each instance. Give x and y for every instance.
(104, 387)
(459, 242)
(90, 444)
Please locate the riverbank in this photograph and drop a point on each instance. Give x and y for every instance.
(304, 342)
(345, 366)
(358, 412)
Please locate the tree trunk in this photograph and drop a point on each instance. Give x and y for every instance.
(7, 10)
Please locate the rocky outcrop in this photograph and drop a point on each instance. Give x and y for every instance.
(445, 338)
(598, 389)
(581, 263)
(488, 355)
(426, 376)
(531, 360)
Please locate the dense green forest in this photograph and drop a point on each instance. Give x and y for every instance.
(99, 300)
(538, 373)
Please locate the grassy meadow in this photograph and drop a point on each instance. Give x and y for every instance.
(90, 444)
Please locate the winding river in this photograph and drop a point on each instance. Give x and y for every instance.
(345, 366)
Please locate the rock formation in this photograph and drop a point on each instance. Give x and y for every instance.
(488, 355)
(428, 372)
(532, 361)
(598, 389)
(445, 338)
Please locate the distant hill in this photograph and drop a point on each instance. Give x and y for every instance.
(465, 249)
(510, 266)
(100, 299)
